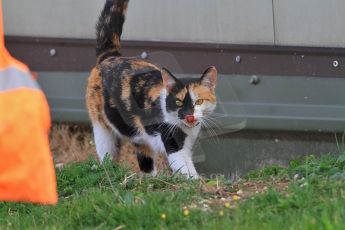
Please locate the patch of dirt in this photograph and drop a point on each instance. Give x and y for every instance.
(71, 143)
(221, 196)
(253, 187)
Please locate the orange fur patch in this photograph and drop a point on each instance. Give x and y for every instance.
(203, 92)
(126, 91)
(181, 95)
(94, 98)
(155, 92)
(116, 41)
(140, 64)
(138, 124)
(145, 150)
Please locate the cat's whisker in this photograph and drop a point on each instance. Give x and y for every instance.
(210, 131)
(166, 129)
(214, 122)
(169, 128)
(209, 122)
(175, 127)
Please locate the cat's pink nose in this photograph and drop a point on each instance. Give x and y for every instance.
(190, 118)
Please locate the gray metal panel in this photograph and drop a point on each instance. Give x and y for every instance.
(292, 103)
(310, 22)
(48, 18)
(276, 103)
(296, 22)
(222, 21)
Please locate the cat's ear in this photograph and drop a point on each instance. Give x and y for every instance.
(209, 78)
(169, 80)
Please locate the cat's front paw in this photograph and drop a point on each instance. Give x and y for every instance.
(193, 176)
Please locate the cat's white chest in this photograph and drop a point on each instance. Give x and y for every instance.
(192, 135)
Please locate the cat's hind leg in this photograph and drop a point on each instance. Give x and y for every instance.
(105, 141)
(146, 159)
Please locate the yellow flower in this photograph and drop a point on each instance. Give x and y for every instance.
(235, 197)
(221, 213)
(163, 216)
(227, 205)
(186, 212)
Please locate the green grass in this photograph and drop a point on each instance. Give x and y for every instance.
(107, 197)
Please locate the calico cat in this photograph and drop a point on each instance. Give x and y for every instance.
(132, 98)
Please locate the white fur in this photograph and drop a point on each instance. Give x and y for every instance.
(193, 96)
(156, 143)
(181, 162)
(169, 117)
(162, 99)
(105, 142)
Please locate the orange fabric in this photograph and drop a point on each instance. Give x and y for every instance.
(26, 167)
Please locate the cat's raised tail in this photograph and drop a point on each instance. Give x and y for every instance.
(109, 27)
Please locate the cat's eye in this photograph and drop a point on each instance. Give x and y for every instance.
(179, 103)
(199, 101)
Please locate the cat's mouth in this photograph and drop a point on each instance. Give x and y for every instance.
(190, 121)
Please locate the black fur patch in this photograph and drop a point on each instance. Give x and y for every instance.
(140, 95)
(150, 79)
(187, 108)
(115, 118)
(173, 141)
(145, 163)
